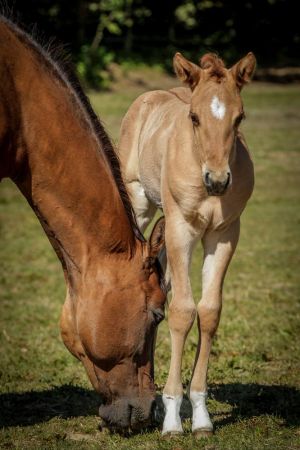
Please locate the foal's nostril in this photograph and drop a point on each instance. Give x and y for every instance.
(207, 179)
(228, 179)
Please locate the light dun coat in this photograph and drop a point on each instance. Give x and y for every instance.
(182, 151)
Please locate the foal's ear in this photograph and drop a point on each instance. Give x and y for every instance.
(187, 72)
(243, 70)
(157, 239)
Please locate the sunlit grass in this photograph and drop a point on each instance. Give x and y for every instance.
(45, 399)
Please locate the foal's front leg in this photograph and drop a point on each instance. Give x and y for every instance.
(182, 312)
(218, 250)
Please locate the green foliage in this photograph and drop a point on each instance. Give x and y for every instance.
(186, 13)
(114, 16)
(92, 66)
(151, 32)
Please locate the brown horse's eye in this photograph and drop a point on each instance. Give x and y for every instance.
(195, 119)
(239, 119)
(158, 315)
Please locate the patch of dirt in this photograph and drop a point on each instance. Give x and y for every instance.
(82, 437)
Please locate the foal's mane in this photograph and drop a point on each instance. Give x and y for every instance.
(213, 65)
(60, 67)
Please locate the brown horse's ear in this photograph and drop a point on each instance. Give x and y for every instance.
(186, 71)
(243, 70)
(157, 239)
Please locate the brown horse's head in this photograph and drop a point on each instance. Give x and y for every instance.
(117, 329)
(216, 112)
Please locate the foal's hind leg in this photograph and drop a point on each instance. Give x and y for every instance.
(218, 250)
(143, 208)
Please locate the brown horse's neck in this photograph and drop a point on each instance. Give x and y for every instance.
(52, 152)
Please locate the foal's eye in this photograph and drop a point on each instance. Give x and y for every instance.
(195, 119)
(239, 119)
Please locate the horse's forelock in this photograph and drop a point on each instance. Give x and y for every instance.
(213, 65)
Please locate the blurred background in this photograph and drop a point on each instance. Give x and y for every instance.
(98, 33)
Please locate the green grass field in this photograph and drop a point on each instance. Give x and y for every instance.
(46, 401)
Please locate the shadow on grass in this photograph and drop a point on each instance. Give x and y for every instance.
(252, 400)
(33, 407)
(247, 400)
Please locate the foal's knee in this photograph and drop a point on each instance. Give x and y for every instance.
(181, 317)
(209, 316)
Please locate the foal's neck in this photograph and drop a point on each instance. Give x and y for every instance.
(60, 165)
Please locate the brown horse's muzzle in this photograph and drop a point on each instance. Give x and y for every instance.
(128, 414)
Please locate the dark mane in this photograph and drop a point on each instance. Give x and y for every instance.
(213, 65)
(59, 65)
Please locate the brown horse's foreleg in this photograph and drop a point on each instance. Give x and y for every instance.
(182, 312)
(218, 250)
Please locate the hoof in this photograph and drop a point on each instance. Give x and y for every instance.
(171, 434)
(202, 433)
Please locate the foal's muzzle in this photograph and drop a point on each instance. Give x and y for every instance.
(216, 183)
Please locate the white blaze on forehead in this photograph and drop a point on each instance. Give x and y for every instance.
(218, 108)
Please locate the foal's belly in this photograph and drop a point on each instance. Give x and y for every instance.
(151, 187)
(150, 173)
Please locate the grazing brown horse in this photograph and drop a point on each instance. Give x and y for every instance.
(58, 154)
(182, 151)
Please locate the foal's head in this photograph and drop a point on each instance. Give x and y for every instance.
(216, 112)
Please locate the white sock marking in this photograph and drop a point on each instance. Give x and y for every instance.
(172, 421)
(201, 419)
(218, 108)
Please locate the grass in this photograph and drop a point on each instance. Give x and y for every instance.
(46, 401)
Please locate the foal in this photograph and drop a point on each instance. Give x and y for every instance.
(182, 151)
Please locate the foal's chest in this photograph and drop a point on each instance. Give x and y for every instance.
(208, 213)
(205, 212)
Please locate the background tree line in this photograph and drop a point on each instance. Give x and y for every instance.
(150, 31)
